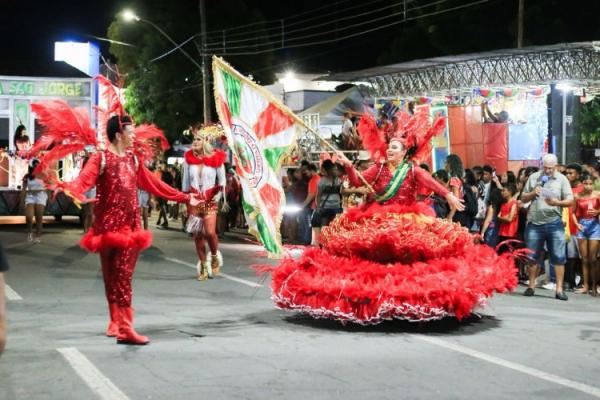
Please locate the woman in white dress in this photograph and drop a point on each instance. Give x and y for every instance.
(204, 174)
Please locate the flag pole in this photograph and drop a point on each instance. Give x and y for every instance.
(339, 154)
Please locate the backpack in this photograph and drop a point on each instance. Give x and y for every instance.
(471, 205)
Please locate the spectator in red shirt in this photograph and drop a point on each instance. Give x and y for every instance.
(309, 174)
(508, 217)
(573, 267)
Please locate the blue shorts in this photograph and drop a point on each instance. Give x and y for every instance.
(143, 198)
(39, 197)
(553, 235)
(591, 229)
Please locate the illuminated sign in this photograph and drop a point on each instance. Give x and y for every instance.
(83, 56)
(45, 88)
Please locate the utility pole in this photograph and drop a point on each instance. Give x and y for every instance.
(520, 23)
(205, 74)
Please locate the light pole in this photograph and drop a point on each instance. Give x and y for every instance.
(130, 16)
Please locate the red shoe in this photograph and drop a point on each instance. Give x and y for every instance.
(128, 335)
(113, 325)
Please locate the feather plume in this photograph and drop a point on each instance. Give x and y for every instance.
(373, 138)
(144, 145)
(111, 97)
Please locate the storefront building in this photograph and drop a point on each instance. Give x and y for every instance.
(17, 93)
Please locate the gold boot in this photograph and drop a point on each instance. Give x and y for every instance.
(215, 263)
(202, 271)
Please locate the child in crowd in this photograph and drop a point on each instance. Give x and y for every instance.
(586, 210)
(508, 217)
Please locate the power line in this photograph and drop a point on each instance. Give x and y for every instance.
(279, 20)
(353, 34)
(285, 33)
(224, 48)
(289, 24)
(173, 49)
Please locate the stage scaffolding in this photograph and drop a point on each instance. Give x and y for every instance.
(577, 64)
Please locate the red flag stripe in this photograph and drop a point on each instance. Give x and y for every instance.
(272, 199)
(225, 113)
(271, 121)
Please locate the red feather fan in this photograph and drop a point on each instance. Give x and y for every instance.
(66, 130)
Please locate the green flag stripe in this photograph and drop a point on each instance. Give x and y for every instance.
(248, 209)
(266, 237)
(233, 90)
(274, 154)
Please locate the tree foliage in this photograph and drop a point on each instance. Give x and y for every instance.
(168, 91)
(590, 123)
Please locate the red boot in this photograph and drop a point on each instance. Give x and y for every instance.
(128, 335)
(113, 325)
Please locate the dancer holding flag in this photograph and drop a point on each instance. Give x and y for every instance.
(389, 259)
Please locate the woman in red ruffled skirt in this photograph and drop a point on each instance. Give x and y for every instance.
(392, 258)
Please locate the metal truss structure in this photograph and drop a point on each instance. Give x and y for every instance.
(575, 63)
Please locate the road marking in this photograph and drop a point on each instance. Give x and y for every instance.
(11, 294)
(100, 384)
(226, 276)
(17, 244)
(582, 387)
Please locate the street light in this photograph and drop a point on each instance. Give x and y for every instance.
(129, 16)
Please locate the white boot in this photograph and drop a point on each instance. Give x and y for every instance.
(202, 272)
(220, 258)
(209, 265)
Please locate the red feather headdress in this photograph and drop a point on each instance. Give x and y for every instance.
(146, 135)
(414, 131)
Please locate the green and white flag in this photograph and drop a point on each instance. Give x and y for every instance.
(260, 132)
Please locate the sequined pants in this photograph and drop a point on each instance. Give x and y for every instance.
(117, 269)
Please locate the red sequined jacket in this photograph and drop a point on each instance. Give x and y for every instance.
(379, 175)
(117, 179)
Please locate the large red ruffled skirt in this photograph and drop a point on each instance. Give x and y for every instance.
(392, 262)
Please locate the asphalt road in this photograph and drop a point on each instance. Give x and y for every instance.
(223, 339)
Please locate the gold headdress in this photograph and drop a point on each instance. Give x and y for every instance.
(210, 132)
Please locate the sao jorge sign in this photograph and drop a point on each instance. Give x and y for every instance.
(45, 88)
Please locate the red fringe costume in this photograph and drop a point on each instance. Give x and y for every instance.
(116, 233)
(393, 260)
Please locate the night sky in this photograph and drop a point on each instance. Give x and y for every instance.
(28, 32)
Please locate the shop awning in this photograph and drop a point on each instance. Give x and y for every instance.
(577, 63)
(333, 108)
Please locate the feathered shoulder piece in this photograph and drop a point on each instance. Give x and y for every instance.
(215, 160)
(65, 131)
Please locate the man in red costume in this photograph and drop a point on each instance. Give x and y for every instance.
(116, 233)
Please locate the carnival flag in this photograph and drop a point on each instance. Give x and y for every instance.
(260, 132)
